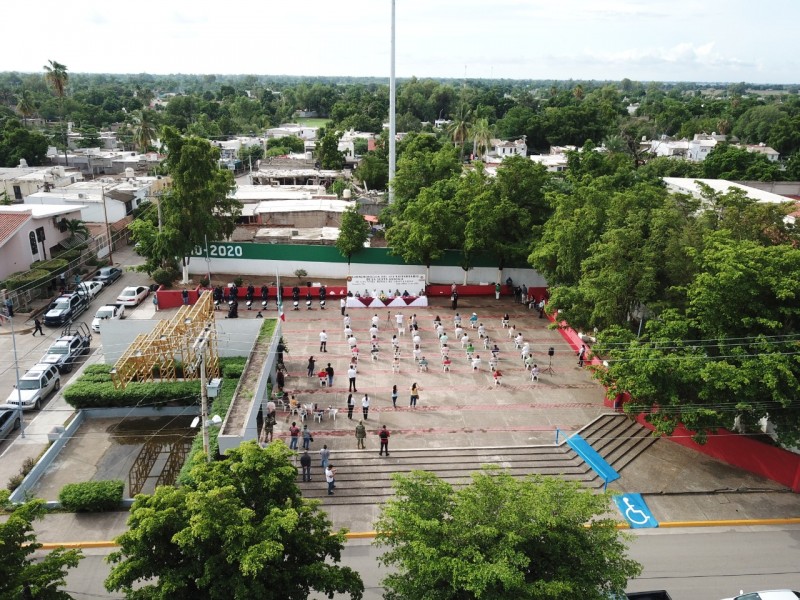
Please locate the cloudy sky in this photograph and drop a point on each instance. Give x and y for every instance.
(665, 40)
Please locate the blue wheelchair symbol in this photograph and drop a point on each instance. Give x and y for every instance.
(635, 510)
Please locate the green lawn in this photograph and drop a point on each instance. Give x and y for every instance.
(312, 122)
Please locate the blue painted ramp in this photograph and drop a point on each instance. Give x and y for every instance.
(592, 458)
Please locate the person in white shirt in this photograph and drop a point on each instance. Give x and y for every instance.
(347, 332)
(526, 350)
(416, 339)
(464, 340)
(535, 373)
(330, 478)
(373, 331)
(342, 305)
(459, 332)
(352, 341)
(399, 318)
(351, 375)
(481, 330)
(346, 320)
(375, 320)
(476, 362)
(323, 341)
(518, 341)
(365, 406)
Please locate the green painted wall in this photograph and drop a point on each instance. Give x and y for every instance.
(296, 252)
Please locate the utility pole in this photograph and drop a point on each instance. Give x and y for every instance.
(108, 227)
(392, 115)
(204, 402)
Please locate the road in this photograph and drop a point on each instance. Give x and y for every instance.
(30, 349)
(692, 564)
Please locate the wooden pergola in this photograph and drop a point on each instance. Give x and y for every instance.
(187, 339)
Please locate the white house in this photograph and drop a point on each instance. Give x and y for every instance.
(19, 182)
(555, 163)
(771, 154)
(687, 185)
(499, 150)
(29, 233)
(120, 197)
(292, 129)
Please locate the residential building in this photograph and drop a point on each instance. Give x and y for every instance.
(29, 234)
(19, 182)
(499, 150)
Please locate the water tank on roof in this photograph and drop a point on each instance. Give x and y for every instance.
(309, 156)
(346, 194)
(23, 163)
(129, 172)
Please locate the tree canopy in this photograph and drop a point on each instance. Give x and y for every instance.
(239, 528)
(196, 206)
(500, 538)
(353, 232)
(22, 575)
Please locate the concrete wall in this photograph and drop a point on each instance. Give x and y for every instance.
(267, 260)
(235, 337)
(231, 435)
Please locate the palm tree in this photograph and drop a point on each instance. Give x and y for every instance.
(144, 130)
(26, 105)
(578, 92)
(481, 137)
(57, 78)
(459, 128)
(76, 228)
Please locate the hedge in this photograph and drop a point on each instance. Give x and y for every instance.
(22, 279)
(52, 265)
(92, 496)
(93, 394)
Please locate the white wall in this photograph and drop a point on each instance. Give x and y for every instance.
(268, 269)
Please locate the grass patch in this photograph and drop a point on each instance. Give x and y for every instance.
(312, 121)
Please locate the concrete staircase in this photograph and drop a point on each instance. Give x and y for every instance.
(364, 477)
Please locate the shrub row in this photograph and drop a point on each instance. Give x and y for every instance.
(103, 394)
(52, 265)
(22, 279)
(92, 496)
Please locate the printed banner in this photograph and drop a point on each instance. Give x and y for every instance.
(386, 286)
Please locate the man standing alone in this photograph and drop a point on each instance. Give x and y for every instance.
(323, 341)
(365, 406)
(351, 376)
(305, 463)
(361, 434)
(384, 435)
(329, 372)
(330, 478)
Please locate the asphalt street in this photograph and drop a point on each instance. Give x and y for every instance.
(691, 564)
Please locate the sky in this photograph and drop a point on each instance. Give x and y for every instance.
(643, 40)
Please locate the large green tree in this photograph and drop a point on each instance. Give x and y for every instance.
(353, 233)
(22, 574)
(500, 538)
(18, 142)
(239, 529)
(197, 207)
(327, 149)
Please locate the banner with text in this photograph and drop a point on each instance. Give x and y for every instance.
(386, 285)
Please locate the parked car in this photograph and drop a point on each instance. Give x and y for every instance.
(107, 312)
(35, 386)
(89, 289)
(65, 309)
(9, 420)
(768, 595)
(133, 295)
(65, 351)
(107, 275)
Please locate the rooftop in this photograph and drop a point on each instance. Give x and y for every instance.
(690, 186)
(313, 204)
(10, 223)
(40, 211)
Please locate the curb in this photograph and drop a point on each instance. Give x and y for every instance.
(362, 535)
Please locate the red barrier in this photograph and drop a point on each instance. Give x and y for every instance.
(737, 450)
(174, 298)
(746, 453)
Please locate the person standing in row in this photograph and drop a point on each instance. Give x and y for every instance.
(311, 364)
(324, 456)
(361, 435)
(37, 327)
(497, 291)
(294, 433)
(342, 305)
(365, 406)
(307, 438)
(323, 341)
(414, 395)
(305, 463)
(351, 376)
(384, 435)
(581, 355)
(394, 396)
(330, 478)
(329, 373)
(350, 405)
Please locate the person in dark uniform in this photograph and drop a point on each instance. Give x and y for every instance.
(37, 327)
(305, 463)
